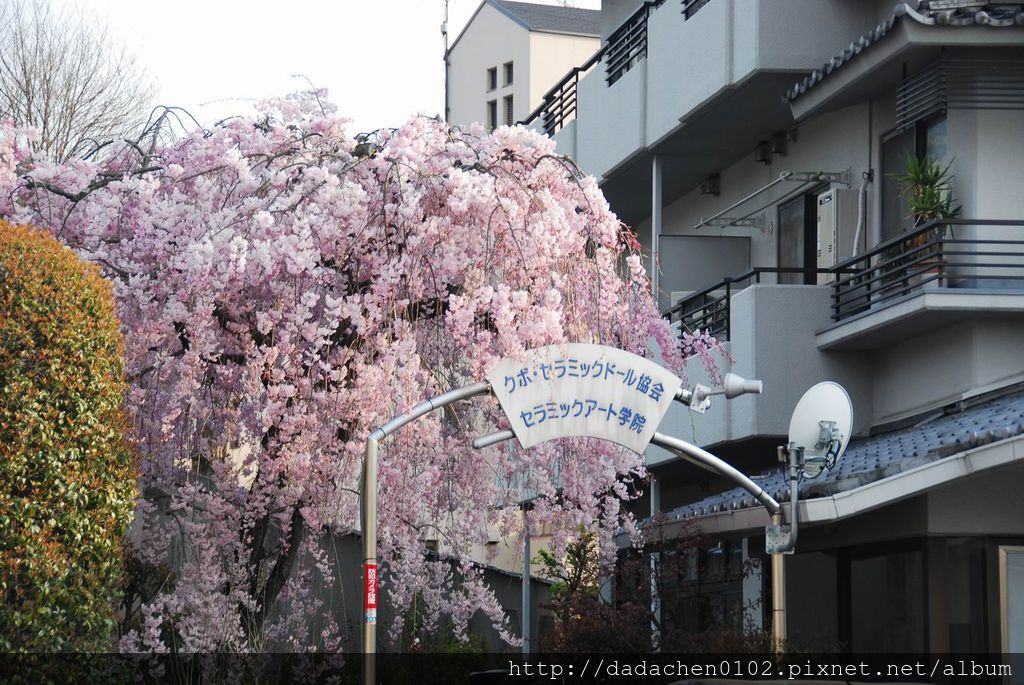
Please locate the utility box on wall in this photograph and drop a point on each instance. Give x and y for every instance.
(837, 224)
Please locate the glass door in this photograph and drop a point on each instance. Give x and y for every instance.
(798, 246)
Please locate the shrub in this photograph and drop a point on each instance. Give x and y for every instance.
(67, 479)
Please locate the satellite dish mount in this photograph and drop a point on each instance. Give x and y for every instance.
(819, 432)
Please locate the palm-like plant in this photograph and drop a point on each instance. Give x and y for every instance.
(930, 187)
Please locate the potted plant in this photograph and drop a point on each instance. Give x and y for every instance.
(929, 185)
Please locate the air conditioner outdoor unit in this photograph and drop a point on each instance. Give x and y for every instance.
(837, 223)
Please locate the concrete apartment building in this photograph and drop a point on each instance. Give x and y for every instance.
(756, 147)
(509, 54)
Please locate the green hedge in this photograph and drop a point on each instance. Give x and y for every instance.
(67, 477)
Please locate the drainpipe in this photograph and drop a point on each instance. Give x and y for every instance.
(655, 226)
(447, 65)
(861, 210)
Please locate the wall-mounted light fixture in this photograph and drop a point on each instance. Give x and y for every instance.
(780, 144)
(712, 185)
(763, 152)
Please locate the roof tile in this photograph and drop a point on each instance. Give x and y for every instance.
(881, 456)
(553, 18)
(930, 13)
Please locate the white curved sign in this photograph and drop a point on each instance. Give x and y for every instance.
(582, 390)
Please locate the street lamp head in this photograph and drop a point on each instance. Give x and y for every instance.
(736, 385)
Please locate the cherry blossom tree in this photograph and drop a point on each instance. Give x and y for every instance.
(285, 288)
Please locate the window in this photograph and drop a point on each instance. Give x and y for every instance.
(492, 114)
(508, 74)
(509, 116)
(492, 79)
(895, 204)
(924, 138)
(797, 237)
(704, 589)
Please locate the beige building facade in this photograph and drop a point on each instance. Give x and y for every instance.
(509, 55)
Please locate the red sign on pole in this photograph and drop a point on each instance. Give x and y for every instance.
(370, 593)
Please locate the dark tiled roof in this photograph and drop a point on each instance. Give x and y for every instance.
(929, 13)
(552, 18)
(871, 459)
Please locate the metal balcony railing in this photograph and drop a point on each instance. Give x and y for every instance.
(947, 253)
(691, 7)
(628, 45)
(558, 107)
(708, 310)
(624, 49)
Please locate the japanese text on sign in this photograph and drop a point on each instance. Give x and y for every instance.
(370, 593)
(583, 390)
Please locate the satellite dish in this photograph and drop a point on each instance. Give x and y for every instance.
(821, 424)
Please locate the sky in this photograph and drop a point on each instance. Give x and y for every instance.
(381, 60)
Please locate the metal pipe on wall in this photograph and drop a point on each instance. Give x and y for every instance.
(656, 209)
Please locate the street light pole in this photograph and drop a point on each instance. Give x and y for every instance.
(705, 459)
(368, 509)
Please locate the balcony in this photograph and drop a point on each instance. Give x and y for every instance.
(937, 274)
(679, 80)
(767, 331)
(941, 273)
(625, 48)
(710, 310)
(919, 321)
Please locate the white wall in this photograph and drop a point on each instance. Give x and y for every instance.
(690, 62)
(986, 504)
(833, 142)
(772, 340)
(490, 40)
(605, 140)
(552, 56)
(987, 146)
(945, 366)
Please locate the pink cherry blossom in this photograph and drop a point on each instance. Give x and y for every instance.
(285, 288)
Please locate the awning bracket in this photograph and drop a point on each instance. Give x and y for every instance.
(802, 177)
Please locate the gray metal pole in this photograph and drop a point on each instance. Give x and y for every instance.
(526, 583)
(795, 457)
(705, 459)
(368, 506)
(654, 561)
(778, 595)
